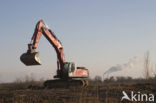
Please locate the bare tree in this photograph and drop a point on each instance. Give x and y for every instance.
(146, 65)
(98, 78)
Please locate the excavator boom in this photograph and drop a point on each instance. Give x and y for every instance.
(32, 57)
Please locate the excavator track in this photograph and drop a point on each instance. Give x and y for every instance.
(60, 83)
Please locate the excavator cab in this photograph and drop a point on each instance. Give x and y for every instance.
(70, 70)
(31, 57)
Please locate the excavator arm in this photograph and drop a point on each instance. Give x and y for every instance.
(54, 41)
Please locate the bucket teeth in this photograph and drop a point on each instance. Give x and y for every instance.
(30, 58)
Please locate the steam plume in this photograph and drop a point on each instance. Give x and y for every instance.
(119, 67)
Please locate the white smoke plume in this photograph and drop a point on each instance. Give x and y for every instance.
(119, 67)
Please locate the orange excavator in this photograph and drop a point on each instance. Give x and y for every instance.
(67, 73)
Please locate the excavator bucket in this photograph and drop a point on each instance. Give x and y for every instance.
(30, 58)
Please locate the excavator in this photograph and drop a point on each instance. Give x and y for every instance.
(67, 74)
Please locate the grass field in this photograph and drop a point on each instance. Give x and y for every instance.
(108, 91)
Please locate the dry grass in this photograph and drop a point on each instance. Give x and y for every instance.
(109, 91)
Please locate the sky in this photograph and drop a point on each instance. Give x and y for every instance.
(97, 34)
